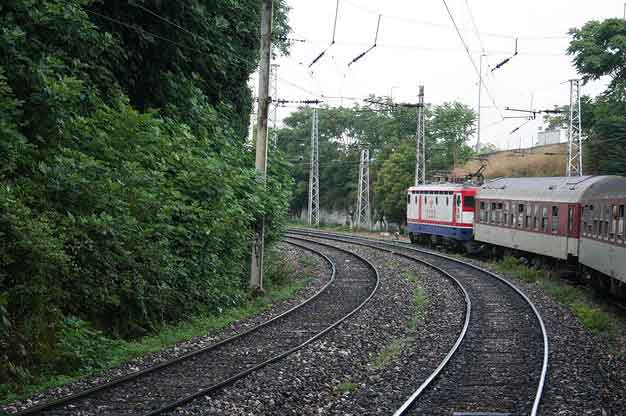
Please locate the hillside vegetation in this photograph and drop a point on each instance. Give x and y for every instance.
(127, 191)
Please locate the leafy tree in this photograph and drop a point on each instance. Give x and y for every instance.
(127, 194)
(389, 134)
(598, 50)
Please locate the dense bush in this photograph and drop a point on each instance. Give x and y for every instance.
(127, 194)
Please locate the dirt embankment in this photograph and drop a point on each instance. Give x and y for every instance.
(549, 160)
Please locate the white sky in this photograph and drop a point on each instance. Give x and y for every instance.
(417, 44)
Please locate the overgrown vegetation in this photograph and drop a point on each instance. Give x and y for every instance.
(577, 299)
(127, 188)
(84, 350)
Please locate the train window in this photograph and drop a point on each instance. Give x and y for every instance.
(528, 215)
(536, 218)
(468, 201)
(520, 215)
(481, 212)
(620, 223)
(595, 228)
(492, 213)
(570, 219)
(447, 201)
(544, 219)
(555, 219)
(416, 199)
(436, 200)
(408, 199)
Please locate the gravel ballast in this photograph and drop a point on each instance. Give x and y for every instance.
(316, 267)
(369, 365)
(587, 373)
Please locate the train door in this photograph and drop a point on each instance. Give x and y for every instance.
(458, 208)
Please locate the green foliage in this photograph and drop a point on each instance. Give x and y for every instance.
(127, 193)
(599, 50)
(346, 387)
(580, 302)
(388, 133)
(391, 352)
(514, 265)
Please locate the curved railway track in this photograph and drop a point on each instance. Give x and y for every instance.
(499, 363)
(176, 382)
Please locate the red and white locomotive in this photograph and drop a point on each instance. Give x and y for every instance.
(578, 220)
(441, 211)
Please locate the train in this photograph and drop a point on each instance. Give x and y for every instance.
(575, 222)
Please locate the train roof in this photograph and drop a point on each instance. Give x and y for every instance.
(549, 189)
(612, 187)
(446, 187)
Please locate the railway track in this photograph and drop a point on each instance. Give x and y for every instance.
(174, 383)
(499, 364)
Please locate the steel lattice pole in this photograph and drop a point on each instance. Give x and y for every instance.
(574, 145)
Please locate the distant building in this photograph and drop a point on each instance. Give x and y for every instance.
(551, 137)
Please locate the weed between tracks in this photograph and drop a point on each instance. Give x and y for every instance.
(282, 280)
(395, 348)
(346, 387)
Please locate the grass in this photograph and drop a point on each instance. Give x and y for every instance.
(395, 348)
(390, 352)
(577, 299)
(346, 387)
(282, 283)
(419, 299)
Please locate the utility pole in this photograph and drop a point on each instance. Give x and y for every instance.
(480, 90)
(256, 267)
(420, 141)
(274, 104)
(363, 209)
(314, 172)
(574, 145)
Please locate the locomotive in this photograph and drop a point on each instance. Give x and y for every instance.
(576, 221)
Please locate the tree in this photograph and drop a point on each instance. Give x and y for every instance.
(451, 126)
(598, 50)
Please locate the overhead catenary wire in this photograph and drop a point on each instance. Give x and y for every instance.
(469, 55)
(447, 26)
(176, 25)
(332, 42)
(475, 26)
(371, 47)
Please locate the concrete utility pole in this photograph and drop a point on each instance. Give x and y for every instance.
(363, 209)
(420, 141)
(574, 145)
(314, 172)
(274, 104)
(256, 267)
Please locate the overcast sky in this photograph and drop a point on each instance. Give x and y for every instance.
(417, 44)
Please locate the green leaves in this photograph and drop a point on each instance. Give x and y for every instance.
(127, 195)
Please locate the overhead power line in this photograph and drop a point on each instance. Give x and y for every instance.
(371, 47)
(471, 15)
(195, 35)
(469, 55)
(332, 42)
(447, 26)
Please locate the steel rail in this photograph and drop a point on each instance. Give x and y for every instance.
(257, 367)
(129, 377)
(460, 338)
(546, 349)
